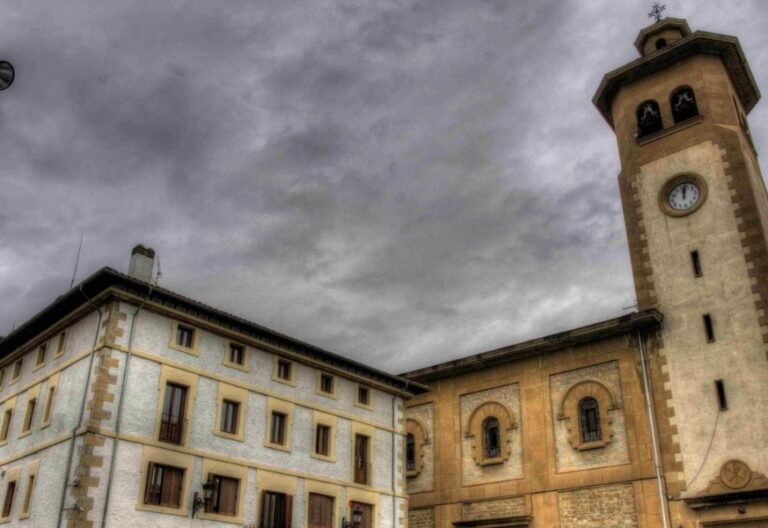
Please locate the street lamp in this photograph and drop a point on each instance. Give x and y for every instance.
(357, 518)
(7, 74)
(199, 502)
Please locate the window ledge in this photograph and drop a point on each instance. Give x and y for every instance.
(650, 138)
(237, 366)
(279, 447)
(38, 367)
(289, 382)
(237, 437)
(25, 434)
(491, 461)
(412, 473)
(368, 407)
(592, 445)
(181, 512)
(331, 395)
(191, 351)
(324, 458)
(220, 518)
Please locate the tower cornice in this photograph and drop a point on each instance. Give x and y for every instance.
(699, 42)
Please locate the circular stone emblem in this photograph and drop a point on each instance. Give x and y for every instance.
(735, 474)
(683, 194)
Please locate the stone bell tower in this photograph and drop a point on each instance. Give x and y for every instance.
(696, 213)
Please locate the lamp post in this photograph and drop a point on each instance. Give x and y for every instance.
(357, 518)
(199, 502)
(7, 74)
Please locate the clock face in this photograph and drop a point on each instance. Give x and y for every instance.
(684, 196)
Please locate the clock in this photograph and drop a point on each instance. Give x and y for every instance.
(683, 194)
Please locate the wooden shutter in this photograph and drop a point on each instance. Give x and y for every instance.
(148, 484)
(228, 496)
(263, 522)
(320, 511)
(288, 513)
(173, 479)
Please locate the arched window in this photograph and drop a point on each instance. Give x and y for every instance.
(589, 420)
(661, 43)
(491, 438)
(410, 452)
(684, 105)
(648, 118)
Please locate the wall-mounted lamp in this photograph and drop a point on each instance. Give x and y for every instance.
(357, 518)
(199, 502)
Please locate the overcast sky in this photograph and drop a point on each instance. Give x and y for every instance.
(402, 182)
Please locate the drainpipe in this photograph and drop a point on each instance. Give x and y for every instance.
(652, 423)
(394, 462)
(119, 414)
(82, 408)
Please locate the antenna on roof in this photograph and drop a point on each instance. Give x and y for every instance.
(77, 261)
(159, 271)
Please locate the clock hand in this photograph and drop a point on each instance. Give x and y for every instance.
(685, 187)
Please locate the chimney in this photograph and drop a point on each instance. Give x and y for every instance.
(142, 263)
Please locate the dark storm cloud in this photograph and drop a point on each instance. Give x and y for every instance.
(403, 182)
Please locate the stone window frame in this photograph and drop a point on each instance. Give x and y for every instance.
(29, 490)
(229, 470)
(282, 407)
(328, 420)
(474, 431)
(672, 95)
(367, 406)
(41, 355)
(186, 379)
(17, 370)
(31, 406)
(6, 424)
(239, 396)
(194, 350)
(51, 388)
(569, 412)
(291, 380)
(12, 476)
(61, 341)
(421, 439)
(228, 343)
(319, 386)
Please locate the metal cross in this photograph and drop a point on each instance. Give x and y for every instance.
(656, 11)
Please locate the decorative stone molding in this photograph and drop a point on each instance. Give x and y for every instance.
(474, 432)
(421, 438)
(569, 410)
(735, 475)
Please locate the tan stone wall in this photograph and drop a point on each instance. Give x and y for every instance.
(616, 451)
(492, 509)
(599, 507)
(472, 472)
(421, 518)
(424, 414)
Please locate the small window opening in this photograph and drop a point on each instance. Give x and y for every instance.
(491, 437)
(661, 43)
(41, 355)
(277, 429)
(185, 336)
(684, 105)
(363, 396)
(410, 452)
(236, 354)
(721, 400)
(283, 369)
(648, 119)
(589, 418)
(696, 262)
(709, 328)
(326, 383)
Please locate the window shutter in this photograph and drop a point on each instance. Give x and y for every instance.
(228, 496)
(288, 511)
(263, 523)
(148, 484)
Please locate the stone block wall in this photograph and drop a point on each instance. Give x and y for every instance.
(599, 507)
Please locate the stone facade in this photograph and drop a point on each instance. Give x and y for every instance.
(421, 518)
(425, 452)
(494, 509)
(616, 450)
(599, 507)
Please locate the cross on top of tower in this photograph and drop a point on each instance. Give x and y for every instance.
(656, 11)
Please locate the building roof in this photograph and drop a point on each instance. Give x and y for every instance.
(108, 278)
(645, 320)
(698, 42)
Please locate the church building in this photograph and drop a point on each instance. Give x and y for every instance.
(654, 419)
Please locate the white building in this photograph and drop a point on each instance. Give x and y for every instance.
(125, 404)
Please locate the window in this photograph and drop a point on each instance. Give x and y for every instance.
(40, 359)
(410, 452)
(721, 400)
(10, 491)
(17, 369)
(709, 329)
(362, 469)
(276, 510)
(28, 494)
(367, 513)
(589, 420)
(363, 395)
(185, 336)
(6, 425)
(164, 485)
(323, 440)
(277, 428)
(326, 383)
(661, 43)
(60, 343)
(491, 438)
(236, 354)
(31, 404)
(284, 369)
(696, 262)
(684, 105)
(49, 405)
(2, 377)
(224, 497)
(229, 412)
(320, 512)
(648, 118)
(172, 421)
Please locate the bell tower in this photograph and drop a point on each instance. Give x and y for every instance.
(696, 213)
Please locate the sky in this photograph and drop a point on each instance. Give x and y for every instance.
(401, 182)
